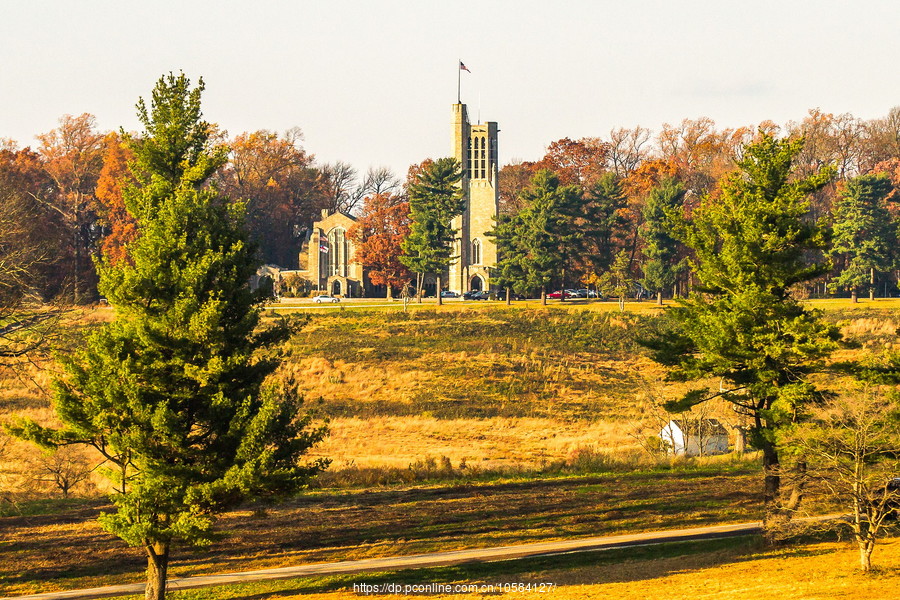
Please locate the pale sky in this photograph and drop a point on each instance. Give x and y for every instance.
(371, 83)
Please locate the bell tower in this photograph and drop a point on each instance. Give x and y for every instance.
(475, 147)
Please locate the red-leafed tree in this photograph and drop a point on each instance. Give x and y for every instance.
(378, 233)
(22, 173)
(580, 162)
(514, 178)
(114, 176)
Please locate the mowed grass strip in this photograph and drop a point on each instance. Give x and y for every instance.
(66, 551)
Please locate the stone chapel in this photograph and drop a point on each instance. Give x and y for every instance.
(326, 260)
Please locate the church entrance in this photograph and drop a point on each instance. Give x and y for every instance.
(336, 288)
(476, 285)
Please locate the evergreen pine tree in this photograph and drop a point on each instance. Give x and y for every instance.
(661, 267)
(864, 237)
(547, 233)
(741, 325)
(600, 218)
(509, 273)
(174, 392)
(435, 199)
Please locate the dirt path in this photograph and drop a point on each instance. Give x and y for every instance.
(416, 561)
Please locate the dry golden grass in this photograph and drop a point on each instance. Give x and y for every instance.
(471, 382)
(822, 571)
(492, 443)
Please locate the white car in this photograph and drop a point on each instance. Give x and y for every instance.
(325, 298)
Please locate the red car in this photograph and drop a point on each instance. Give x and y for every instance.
(558, 294)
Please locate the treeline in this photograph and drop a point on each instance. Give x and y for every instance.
(606, 205)
(61, 201)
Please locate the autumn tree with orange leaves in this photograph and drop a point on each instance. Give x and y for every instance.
(378, 235)
(114, 176)
(276, 177)
(576, 162)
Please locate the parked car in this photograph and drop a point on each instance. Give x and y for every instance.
(502, 296)
(576, 293)
(586, 293)
(449, 294)
(325, 298)
(558, 294)
(476, 295)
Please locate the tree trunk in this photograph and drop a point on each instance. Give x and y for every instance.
(798, 491)
(390, 295)
(865, 555)
(157, 570)
(419, 282)
(853, 297)
(508, 296)
(872, 284)
(440, 300)
(659, 298)
(544, 296)
(773, 518)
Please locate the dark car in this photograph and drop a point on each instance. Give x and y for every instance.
(513, 295)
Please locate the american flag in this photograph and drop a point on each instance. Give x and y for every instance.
(463, 67)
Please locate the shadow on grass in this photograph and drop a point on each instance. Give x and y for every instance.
(649, 562)
(325, 526)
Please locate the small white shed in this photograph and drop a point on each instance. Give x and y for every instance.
(695, 437)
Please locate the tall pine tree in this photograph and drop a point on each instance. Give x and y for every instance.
(864, 235)
(548, 234)
(662, 266)
(741, 325)
(435, 199)
(175, 392)
(509, 272)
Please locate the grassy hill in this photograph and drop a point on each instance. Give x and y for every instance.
(453, 427)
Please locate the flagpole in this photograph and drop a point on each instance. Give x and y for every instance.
(458, 81)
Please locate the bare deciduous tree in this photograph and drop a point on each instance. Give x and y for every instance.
(24, 322)
(337, 182)
(65, 468)
(380, 180)
(852, 446)
(626, 149)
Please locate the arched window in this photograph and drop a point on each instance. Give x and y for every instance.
(476, 252)
(482, 171)
(337, 252)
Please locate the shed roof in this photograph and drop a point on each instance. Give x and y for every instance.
(700, 426)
